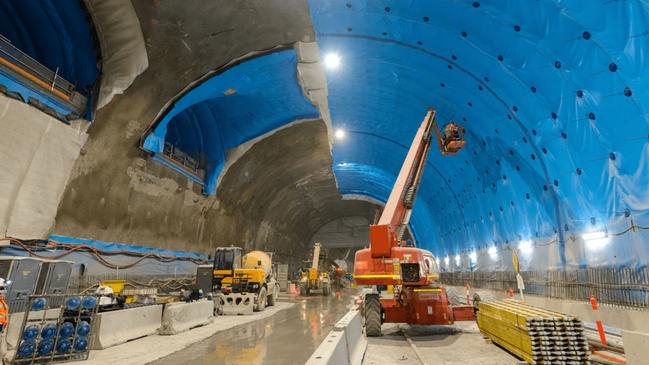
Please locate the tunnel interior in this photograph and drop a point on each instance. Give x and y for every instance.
(273, 125)
(542, 95)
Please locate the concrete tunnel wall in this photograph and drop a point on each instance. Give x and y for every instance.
(275, 197)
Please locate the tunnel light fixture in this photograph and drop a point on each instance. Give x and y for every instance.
(525, 247)
(340, 134)
(457, 260)
(596, 240)
(447, 260)
(493, 252)
(473, 256)
(332, 61)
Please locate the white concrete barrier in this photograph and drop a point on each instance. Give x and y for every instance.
(180, 317)
(345, 344)
(117, 327)
(636, 347)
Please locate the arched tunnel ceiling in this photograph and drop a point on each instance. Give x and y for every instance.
(551, 94)
(58, 34)
(231, 107)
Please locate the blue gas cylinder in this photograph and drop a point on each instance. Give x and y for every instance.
(63, 346)
(26, 348)
(80, 344)
(72, 303)
(39, 304)
(45, 347)
(31, 332)
(88, 302)
(83, 328)
(66, 330)
(48, 331)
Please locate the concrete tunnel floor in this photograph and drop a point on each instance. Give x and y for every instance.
(292, 335)
(458, 344)
(291, 331)
(287, 337)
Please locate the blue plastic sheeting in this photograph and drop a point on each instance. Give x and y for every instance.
(58, 34)
(225, 110)
(551, 93)
(15, 85)
(148, 267)
(112, 246)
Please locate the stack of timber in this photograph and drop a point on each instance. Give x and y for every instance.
(536, 335)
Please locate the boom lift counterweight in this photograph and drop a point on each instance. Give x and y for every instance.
(412, 271)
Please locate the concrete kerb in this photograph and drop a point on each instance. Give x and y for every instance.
(345, 344)
(181, 317)
(120, 326)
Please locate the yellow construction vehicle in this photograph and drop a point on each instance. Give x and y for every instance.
(243, 283)
(314, 278)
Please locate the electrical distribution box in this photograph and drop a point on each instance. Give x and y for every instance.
(204, 278)
(22, 273)
(54, 279)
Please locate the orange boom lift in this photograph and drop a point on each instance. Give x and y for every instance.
(417, 298)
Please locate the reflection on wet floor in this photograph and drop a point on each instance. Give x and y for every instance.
(288, 337)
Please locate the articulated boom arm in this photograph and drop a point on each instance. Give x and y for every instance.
(388, 232)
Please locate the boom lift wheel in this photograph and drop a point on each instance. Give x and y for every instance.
(261, 300)
(372, 312)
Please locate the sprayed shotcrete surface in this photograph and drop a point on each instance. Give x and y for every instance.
(275, 196)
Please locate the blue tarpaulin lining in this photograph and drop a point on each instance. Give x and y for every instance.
(243, 102)
(112, 246)
(58, 34)
(92, 267)
(13, 85)
(551, 94)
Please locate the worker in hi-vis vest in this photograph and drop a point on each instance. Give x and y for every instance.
(4, 308)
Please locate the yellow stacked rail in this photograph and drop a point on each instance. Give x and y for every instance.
(536, 335)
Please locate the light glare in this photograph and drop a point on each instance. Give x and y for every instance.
(457, 260)
(332, 61)
(340, 134)
(447, 260)
(525, 247)
(493, 252)
(595, 241)
(593, 235)
(473, 256)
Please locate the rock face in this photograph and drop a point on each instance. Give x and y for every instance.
(277, 194)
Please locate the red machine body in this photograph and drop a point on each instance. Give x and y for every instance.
(411, 271)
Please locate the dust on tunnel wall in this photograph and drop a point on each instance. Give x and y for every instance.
(551, 94)
(117, 195)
